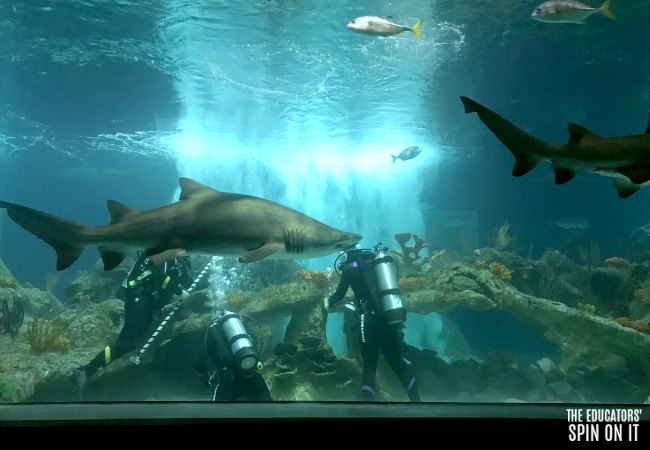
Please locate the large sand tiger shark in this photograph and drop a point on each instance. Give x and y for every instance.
(203, 221)
(625, 159)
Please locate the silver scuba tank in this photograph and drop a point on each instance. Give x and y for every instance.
(239, 341)
(390, 296)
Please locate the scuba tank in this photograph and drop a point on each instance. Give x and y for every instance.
(389, 293)
(238, 342)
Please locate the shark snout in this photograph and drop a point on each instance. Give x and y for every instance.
(349, 239)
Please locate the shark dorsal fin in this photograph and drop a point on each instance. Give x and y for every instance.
(577, 132)
(191, 188)
(119, 211)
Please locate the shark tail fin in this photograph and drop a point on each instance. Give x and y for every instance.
(416, 29)
(522, 146)
(607, 12)
(395, 157)
(64, 236)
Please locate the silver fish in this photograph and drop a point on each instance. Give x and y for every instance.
(568, 11)
(381, 26)
(407, 153)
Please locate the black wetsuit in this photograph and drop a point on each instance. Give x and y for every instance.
(146, 290)
(374, 332)
(647, 130)
(234, 384)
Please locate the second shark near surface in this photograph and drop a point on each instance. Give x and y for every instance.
(624, 159)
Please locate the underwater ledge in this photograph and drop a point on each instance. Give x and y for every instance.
(135, 413)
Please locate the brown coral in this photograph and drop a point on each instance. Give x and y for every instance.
(235, 299)
(617, 263)
(501, 271)
(61, 344)
(47, 335)
(412, 284)
(409, 256)
(320, 279)
(638, 325)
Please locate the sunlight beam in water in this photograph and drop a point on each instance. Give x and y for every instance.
(308, 118)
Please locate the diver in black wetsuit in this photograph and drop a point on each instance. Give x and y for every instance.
(145, 291)
(371, 275)
(231, 352)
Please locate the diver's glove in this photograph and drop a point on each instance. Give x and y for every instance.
(326, 303)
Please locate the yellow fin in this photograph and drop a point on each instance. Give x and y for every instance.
(606, 11)
(416, 29)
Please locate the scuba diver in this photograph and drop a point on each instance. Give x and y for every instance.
(372, 276)
(145, 291)
(233, 355)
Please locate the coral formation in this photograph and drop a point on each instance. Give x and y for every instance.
(586, 307)
(47, 335)
(11, 318)
(51, 281)
(501, 238)
(642, 294)
(409, 256)
(8, 282)
(501, 271)
(618, 263)
(412, 284)
(235, 300)
(638, 325)
(320, 279)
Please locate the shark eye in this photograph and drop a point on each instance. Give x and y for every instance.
(354, 21)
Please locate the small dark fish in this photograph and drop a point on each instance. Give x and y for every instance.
(407, 153)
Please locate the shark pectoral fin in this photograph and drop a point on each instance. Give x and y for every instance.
(110, 258)
(562, 175)
(577, 132)
(167, 255)
(624, 187)
(637, 175)
(119, 211)
(523, 165)
(261, 252)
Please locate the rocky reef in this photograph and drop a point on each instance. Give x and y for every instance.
(601, 355)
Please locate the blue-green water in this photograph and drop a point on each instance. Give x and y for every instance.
(278, 99)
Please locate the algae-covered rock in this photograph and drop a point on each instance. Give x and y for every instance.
(97, 285)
